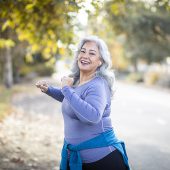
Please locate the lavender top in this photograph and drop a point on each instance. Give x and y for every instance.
(86, 111)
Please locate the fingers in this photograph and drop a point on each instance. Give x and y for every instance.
(42, 85)
(67, 81)
(39, 83)
(64, 78)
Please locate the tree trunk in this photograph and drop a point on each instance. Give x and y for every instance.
(8, 72)
(135, 64)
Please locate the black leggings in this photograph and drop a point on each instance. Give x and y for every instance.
(113, 161)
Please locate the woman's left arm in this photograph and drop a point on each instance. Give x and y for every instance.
(90, 109)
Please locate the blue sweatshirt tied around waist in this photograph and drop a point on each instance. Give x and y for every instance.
(105, 139)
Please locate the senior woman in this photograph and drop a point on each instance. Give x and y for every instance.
(89, 140)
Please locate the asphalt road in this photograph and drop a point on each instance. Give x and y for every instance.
(141, 117)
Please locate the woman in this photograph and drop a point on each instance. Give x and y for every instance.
(89, 139)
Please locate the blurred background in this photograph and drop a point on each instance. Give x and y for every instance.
(38, 39)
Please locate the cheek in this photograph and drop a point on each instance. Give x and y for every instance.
(79, 56)
(96, 62)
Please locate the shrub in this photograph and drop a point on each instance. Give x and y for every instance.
(151, 77)
(135, 77)
(164, 80)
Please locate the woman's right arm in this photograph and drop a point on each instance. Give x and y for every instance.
(55, 92)
(51, 91)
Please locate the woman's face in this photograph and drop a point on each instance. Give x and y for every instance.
(88, 58)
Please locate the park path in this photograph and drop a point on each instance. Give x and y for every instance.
(31, 137)
(141, 117)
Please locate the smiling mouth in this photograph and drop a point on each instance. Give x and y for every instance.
(84, 62)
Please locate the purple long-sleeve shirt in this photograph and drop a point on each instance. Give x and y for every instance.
(86, 111)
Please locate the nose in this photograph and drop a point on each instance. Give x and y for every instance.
(85, 55)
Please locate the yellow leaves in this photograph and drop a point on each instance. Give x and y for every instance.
(46, 51)
(44, 20)
(50, 62)
(29, 7)
(117, 8)
(39, 24)
(117, 52)
(6, 43)
(22, 36)
(57, 22)
(31, 27)
(62, 51)
(50, 48)
(15, 16)
(29, 58)
(8, 23)
(26, 34)
(51, 34)
(35, 47)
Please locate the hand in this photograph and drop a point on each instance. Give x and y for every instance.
(42, 85)
(66, 81)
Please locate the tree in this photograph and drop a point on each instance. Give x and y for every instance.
(99, 25)
(42, 24)
(145, 27)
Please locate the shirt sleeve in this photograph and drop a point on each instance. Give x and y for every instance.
(55, 93)
(91, 108)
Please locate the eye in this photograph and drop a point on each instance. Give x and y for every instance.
(92, 53)
(82, 51)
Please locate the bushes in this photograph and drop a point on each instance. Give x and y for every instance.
(157, 78)
(164, 81)
(151, 77)
(30, 72)
(135, 77)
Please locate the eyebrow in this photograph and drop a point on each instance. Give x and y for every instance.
(89, 50)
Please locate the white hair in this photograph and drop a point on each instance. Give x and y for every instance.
(104, 70)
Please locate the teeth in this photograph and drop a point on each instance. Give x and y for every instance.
(84, 62)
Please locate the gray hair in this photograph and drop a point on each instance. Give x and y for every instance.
(104, 70)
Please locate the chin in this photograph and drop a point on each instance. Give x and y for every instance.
(83, 67)
(85, 70)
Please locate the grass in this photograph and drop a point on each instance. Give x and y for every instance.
(6, 95)
(5, 107)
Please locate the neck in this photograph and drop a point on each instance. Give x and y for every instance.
(84, 77)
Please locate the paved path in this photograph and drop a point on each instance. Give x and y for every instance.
(31, 138)
(141, 116)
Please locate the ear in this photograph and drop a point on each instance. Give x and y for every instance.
(100, 63)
